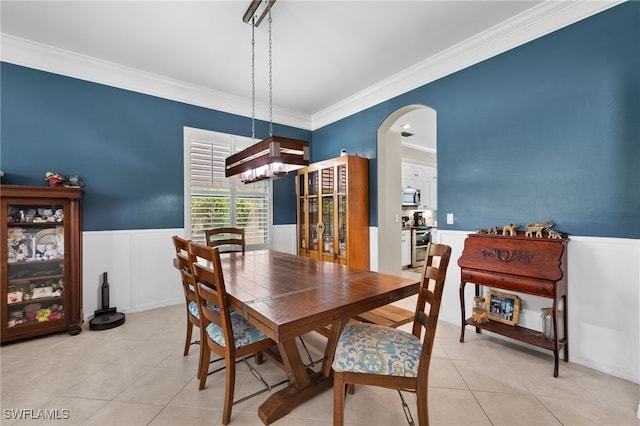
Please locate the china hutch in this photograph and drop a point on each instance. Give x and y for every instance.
(333, 211)
(41, 261)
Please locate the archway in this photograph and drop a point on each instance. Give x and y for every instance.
(389, 147)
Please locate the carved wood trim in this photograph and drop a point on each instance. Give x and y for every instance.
(507, 255)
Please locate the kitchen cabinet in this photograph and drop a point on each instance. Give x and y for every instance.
(425, 178)
(405, 247)
(41, 262)
(333, 211)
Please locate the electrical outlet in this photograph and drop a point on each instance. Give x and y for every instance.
(449, 218)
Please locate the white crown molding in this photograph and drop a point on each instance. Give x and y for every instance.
(534, 23)
(527, 26)
(43, 57)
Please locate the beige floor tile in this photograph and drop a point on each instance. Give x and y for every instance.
(108, 383)
(489, 376)
(158, 386)
(472, 349)
(173, 416)
(443, 374)
(524, 409)
(65, 411)
(377, 406)
(455, 407)
(578, 412)
(117, 413)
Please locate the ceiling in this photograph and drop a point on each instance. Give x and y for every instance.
(330, 58)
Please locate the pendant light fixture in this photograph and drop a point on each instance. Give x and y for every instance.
(274, 156)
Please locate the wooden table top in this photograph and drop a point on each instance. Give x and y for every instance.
(288, 295)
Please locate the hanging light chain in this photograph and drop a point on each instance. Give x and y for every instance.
(253, 80)
(270, 80)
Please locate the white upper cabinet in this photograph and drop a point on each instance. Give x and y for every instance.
(425, 178)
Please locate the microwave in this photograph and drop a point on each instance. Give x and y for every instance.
(410, 197)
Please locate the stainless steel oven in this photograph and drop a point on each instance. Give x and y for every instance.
(420, 238)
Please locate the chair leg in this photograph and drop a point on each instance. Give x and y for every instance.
(205, 354)
(229, 390)
(422, 401)
(338, 399)
(187, 342)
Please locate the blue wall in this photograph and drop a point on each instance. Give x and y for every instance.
(127, 147)
(550, 130)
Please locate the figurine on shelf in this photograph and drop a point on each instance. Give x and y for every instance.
(54, 179)
(510, 229)
(553, 234)
(537, 228)
(74, 182)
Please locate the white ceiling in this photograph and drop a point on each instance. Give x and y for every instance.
(330, 58)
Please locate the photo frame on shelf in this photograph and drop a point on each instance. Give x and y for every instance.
(503, 307)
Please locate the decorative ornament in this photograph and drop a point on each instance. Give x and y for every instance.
(54, 179)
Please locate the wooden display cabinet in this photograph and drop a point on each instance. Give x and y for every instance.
(333, 211)
(41, 261)
(536, 266)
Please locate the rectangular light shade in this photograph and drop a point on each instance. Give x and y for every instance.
(270, 158)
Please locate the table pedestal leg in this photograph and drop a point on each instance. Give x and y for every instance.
(304, 383)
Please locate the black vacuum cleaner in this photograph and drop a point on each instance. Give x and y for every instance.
(106, 318)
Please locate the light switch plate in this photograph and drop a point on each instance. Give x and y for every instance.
(449, 218)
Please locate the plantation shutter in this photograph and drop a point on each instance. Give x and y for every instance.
(212, 200)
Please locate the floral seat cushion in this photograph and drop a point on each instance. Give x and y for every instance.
(243, 332)
(375, 349)
(193, 308)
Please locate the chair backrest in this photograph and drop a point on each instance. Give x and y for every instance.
(231, 238)
(428, 306)
(184, 265)
(210, 290)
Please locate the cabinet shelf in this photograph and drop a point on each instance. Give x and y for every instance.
(43, 300)
(517, 332)
(43, 224)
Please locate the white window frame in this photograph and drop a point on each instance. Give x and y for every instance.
(237, 143)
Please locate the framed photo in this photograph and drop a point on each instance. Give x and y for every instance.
(503, 307)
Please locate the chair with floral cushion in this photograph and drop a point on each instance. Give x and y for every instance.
(371, 354)
(182, 263)
(224, 331)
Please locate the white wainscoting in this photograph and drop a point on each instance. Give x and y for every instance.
(604, 287)
(140, 268)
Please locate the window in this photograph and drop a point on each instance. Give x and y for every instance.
(212, 200)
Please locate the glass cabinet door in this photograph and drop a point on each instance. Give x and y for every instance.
(313, 183)
(342, 209)
(327, 185)
(313, 221)
(302, 224)
(35, 264)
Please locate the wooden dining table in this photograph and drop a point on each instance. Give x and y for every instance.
(287, 296)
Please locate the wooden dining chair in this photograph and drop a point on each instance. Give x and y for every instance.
(193, 315)
(371, 354)
(226, 239)
(224, 331)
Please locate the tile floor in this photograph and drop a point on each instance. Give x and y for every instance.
(136, 375)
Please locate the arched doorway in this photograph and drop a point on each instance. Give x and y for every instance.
(390, 154)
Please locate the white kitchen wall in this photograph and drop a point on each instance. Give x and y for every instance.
(603, 300)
